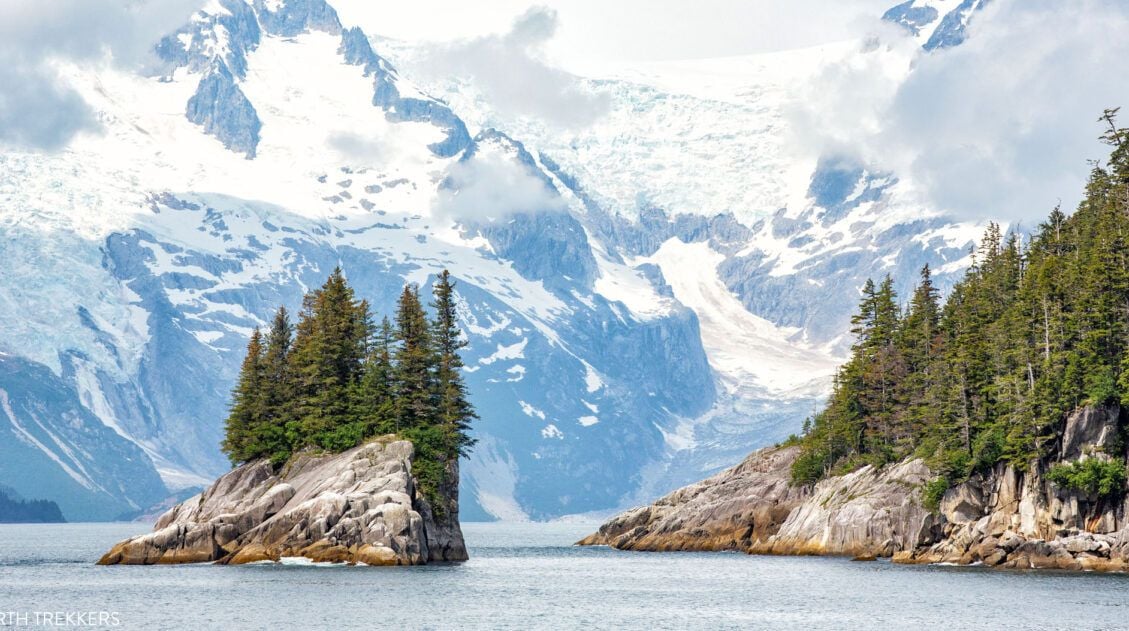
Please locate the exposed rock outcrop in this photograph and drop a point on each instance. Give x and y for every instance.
(754, 507)
(1015, 518)
(1010, 517)
(870, 512)
(360, 506)
(729, 511)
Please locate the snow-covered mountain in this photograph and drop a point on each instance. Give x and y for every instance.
(646, 298)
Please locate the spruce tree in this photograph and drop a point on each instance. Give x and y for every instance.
(328, 352)
(269, 435)
(455, 412)
(375, 398)
(1027, 336)
(246, 406)
(415, 364)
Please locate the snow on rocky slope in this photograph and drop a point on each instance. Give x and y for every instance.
(651, 298)
(694, 177)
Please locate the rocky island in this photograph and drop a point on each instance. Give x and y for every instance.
(989, 428)
(359, 506)
(347, 439)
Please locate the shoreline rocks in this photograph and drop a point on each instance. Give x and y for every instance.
(1008, 518)
(359, 506)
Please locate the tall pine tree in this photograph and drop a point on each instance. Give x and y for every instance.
(415, 363)
(246, 405)
(454, 411)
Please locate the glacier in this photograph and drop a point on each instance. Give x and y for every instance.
(653, 296)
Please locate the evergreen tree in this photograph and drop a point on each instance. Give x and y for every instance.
(269, 435)
(1028, 335)
(376, 397)
(329, 349)
(415, 364)
(919, 340)
(455, 412)
(246, 406)
(334, 381)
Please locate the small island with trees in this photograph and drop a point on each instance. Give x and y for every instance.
(346, 437)
(337, 379)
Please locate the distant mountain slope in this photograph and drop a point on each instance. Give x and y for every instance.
(617, 348)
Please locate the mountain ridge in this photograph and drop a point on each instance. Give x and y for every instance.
(165, 247)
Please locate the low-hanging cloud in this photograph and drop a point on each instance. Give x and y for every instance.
(357, 147)
(1001, 126)
(38, 110)
(491, 186)
(512, 73)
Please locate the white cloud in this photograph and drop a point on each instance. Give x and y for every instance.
(1001, 126)
(357, 147)
(639, 30)
(491, 186)
(37, 109)
(511, 72)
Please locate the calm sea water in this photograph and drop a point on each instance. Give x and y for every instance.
(525, 576)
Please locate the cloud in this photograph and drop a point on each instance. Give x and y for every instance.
(357, 147)
(1001, 126)
(37, 109)
(491, 186)
(511, 72)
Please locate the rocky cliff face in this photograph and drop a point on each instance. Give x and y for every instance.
(1009, 517)
(360, 506)
(754, 507)
(730, 511)
(1015, 518)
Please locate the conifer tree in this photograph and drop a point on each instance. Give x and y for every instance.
(246, 406)
(415, 363)
(269, 435)
(330, 346)
(455, 412)
(1029, 334)
(376, 398)
(334, 381)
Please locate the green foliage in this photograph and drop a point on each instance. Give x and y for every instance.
(452, 406)
(335, 381)
(808, 467)
(933, 491)
(240, 441)
(1101, 387)
(1103, 479)
(1030, 333)
(793, 440)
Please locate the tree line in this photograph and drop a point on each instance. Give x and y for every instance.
(1033, 331)
(336, 379)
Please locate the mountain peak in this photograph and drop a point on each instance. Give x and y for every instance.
(923, 20)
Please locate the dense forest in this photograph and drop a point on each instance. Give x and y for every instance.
(16, 510)
(1034, 330)
(336, 379)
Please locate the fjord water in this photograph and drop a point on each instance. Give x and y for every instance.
(524, 576)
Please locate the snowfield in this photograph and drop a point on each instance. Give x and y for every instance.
(646, 299)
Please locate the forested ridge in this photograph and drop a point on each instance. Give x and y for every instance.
(16, 510)
(1034, 330)
(336, 379)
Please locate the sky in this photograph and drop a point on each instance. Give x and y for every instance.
(630, 30)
